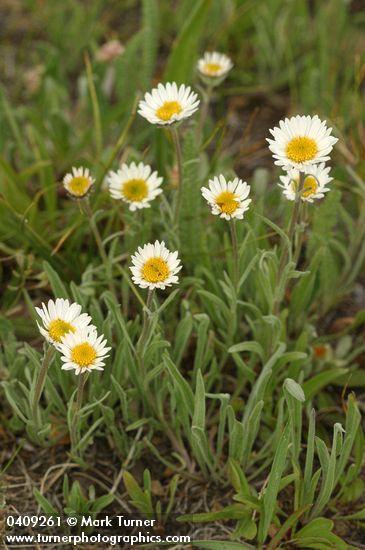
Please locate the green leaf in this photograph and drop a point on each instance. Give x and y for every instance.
(102, 502)
(251, 430)
(353, 419)
(182, 336)
(140, 498)
(150, 29)
(57, 285)
(288, 524)
(221, 545)
(308, 468)
(328, 469)
(360, 514)
(44, 503)
(181, 384)
(236, 511)
(276, 472)
(318, 535)
(168, 301)
(315, 528)
(181, 63)
(199, 403)
(254, 347)
(294, 389)
(237, 478)
(190, 218)
(314, 385)
(201, 449)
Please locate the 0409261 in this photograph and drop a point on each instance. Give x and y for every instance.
(33, 521)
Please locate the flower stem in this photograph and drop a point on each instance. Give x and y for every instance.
(140, 350)
(118, 145)
(177, 145)
(146, 325)
(291, 233)
(204, 112)
(299, 244)
(233, 230)
(41, 378)
(99, 244)
(78, 405)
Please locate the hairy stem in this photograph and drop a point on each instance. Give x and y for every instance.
(177, 145)
(204, 112)
(233, 230)
(291, 233)
(146, 323)
(41, 378)
(78, 405)
(99, 244)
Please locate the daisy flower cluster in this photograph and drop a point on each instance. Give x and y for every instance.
(301, 146)
(134, 184)
(64, 326)
(167, 105)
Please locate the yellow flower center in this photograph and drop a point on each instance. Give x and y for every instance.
(83, 354)
(58, 328)
(301, 149)
(227, 202)
(155, 270)
(212, 68)
(168, 109)
(135, 190)
(310, 186)
(79, 186)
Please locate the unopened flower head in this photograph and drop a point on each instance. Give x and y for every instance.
(168, 103)
(78, 184)
(135, 184)
(154, 266)
(60, 318)
(214, 65)
(315, 180)
(109, 51)
(227, 199)
(83, 351)
(33, 79)
(301, 141)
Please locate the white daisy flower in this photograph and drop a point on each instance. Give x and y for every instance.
(135, 184)
(168, 103)
(316, 178)
(83, 350)
(154, 266)
(60, 318)
(301, 141)
(214, 65)
(78, 184)
(227, 199)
